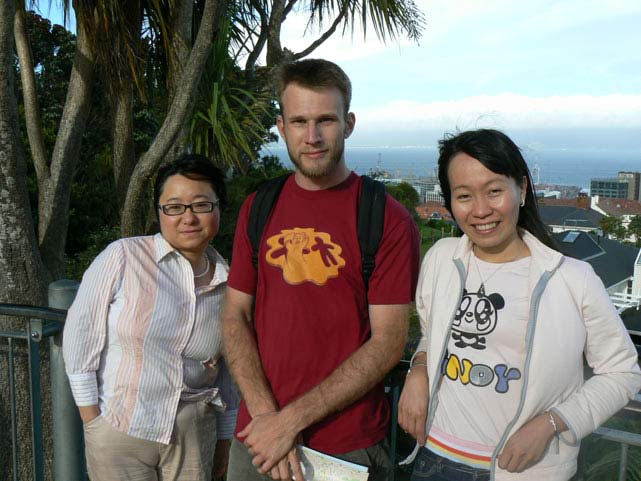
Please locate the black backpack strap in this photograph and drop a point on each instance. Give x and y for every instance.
(371, 220)
(264, 202)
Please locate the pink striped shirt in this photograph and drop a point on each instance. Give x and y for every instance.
(138, 333)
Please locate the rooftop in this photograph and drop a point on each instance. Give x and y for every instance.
(569, 216)
(619, 207)
(426, 210)
(612, 261)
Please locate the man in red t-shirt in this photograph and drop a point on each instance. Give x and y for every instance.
(307, 343)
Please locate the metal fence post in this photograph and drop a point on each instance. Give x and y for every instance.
(68, 442)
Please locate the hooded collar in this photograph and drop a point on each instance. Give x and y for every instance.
(544, 257)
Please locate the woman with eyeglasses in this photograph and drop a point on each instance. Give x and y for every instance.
(495, 390)
(142, 341)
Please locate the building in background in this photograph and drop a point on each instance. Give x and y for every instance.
(613, 187)
(624, 186)
(633, 178)
(428, 189)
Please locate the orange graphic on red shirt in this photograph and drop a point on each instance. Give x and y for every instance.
(305, 255)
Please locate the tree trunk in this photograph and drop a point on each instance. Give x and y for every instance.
(179, 110)
(122, 132)
(53, 198)
(21, 270)
(122, 108)
(275, 54)
(183, 26)
(30, 97)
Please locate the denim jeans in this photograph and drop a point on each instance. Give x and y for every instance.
(432, 467)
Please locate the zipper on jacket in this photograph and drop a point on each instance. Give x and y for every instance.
(433, 402)
(529, 339)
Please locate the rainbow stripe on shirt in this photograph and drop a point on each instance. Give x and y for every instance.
(458, 450)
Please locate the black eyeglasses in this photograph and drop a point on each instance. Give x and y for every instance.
(196, 208)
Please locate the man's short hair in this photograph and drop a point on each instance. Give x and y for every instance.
(314, 73)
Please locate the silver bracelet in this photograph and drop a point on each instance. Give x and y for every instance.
(553, 423)
(412, 366)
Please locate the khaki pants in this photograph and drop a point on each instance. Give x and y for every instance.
(115, 456)
(375, 457)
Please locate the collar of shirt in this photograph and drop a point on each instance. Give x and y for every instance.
(164, 249)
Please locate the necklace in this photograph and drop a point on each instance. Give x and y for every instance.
(478, 270)
(205, 271)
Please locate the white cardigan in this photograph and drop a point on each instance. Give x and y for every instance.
(570, 316)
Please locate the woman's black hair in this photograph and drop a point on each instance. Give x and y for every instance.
(498, 153)
(194, 167)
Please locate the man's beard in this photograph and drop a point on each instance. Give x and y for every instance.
(318, 171)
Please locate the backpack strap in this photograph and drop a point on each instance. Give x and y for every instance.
(261, 208)
(371, 220)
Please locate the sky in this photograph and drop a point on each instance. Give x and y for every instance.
(552, 73)
(561, 73)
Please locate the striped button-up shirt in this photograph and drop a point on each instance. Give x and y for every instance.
(139, 337)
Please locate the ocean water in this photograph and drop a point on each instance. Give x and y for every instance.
(552, 166)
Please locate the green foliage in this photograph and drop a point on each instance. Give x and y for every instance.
(93, 205)
(238, 188)
(405, 194)
(95, 242)
(612, 226)
(388, 18)
(432, 230)
(53, 50)
(634, 228)
(233, 114)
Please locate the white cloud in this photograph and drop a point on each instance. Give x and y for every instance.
(508, 111)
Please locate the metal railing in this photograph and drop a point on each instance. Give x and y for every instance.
(68, 445)
(41, 323)
(625, 439)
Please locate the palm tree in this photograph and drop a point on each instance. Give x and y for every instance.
(233, 114)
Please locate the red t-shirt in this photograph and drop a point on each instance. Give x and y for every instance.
(311, 310)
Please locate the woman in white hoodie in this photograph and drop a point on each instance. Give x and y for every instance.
(495, 389)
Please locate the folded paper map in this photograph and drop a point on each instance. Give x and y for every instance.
(322, 467)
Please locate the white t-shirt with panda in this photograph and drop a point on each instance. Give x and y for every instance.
(482, 370)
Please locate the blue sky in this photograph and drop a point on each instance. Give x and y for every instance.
(534, 65)
(562, 73)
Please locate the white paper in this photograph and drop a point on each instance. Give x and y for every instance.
(322, 467)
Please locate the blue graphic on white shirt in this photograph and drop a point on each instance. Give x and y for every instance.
(479, 375)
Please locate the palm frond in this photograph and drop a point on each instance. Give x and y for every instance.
(388, 18)
(231, 120)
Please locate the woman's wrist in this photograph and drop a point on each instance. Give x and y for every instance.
(87, 413)
(552, 422)
(418, 362)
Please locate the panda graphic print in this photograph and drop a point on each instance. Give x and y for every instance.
(476, 318)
